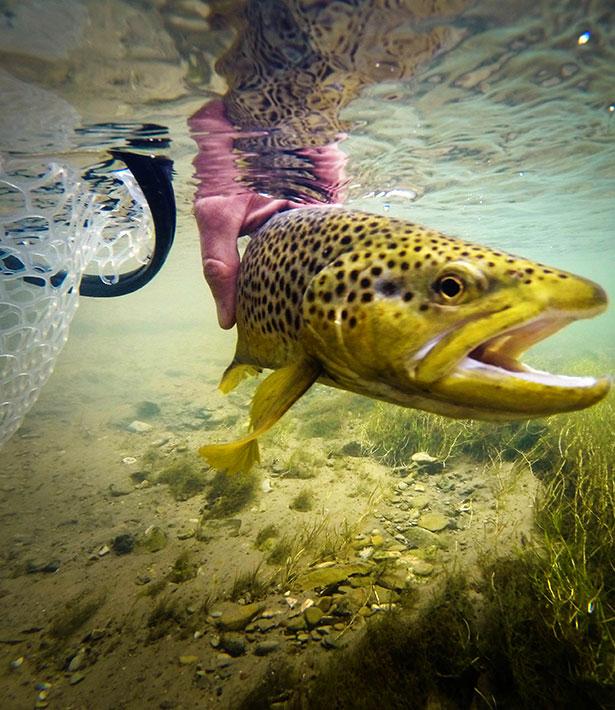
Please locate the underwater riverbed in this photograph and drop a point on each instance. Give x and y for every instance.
(376, 554)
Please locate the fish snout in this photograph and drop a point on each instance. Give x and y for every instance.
(580, 297)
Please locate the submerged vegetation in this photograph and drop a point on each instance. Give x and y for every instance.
(535, 628)
(185, 477)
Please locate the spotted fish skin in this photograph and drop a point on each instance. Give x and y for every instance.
(373, 263)
(401, 313)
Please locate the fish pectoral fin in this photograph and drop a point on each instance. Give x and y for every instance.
(273, 397)
(234, 374)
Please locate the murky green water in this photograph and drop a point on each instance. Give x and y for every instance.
(505, 136)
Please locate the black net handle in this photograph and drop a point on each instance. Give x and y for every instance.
(153, 174)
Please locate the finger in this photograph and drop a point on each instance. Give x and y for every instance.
(219, 220)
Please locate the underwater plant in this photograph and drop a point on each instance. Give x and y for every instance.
(229, 494)
(185, 477)
(303, 501)
(250, 585)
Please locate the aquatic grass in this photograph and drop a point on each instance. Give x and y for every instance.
(576, 519)
(303, 501)
(228, 494)
(391, 435)
(250, 585)
(185, 477)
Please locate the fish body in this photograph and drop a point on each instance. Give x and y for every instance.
(398, 312)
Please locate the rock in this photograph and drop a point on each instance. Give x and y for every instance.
(434, 522)
(421, 568)
(266, 486)
(264, 625)
(312, 616)
(381, 555)
(296, 623)
(153, 539)
(419, 537)
(116, 491)
(104, 550)
(123, 544)
(77, 662)
(427, 463)
(188, 660)
(394, 579)
(330, 576)
(377, 540)
(139, 427)
(264, 648)
(419, 501)
(234, 644)
(44, 567)
(382, 595)
(236, 617)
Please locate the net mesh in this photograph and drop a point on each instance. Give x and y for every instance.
(54, 227)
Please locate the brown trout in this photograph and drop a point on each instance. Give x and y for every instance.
(401, 313)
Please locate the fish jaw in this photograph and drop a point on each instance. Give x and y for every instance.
(476, 365)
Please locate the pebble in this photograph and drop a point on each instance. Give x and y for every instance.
(233, 644)
(77, 662)
(312, 616)
(188, 660)
(104, 550)
(236, 617)
(129, 460)
(139, 427)
(365, 553)
(434, 522)
(46, 567)
(76, 678)
(266, 486)
(17, 663)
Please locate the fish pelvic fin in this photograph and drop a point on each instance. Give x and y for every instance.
(273, 398)
(234, 374)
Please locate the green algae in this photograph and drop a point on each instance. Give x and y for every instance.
(185, 477)
(228, 494)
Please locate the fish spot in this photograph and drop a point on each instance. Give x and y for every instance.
(387, 288)
(366, 297)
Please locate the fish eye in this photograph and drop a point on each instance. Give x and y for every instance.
(449, 286)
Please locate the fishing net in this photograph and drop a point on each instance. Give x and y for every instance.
(54, 227)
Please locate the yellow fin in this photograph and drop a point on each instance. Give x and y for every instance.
(234, 457)
(273, 397)
(234, 374)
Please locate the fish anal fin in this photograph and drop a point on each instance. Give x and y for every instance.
(273, 397)
(234, 374)
(233, 457)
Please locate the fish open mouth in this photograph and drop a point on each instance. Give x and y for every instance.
(488, 380)
(500, 355)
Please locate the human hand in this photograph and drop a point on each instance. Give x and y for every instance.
(224, 213)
